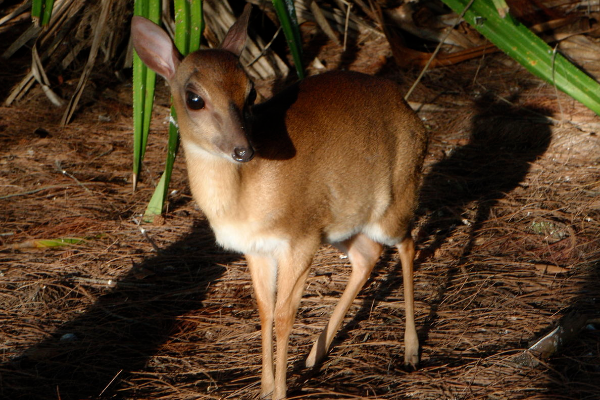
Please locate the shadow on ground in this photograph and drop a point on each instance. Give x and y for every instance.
(121, 331)
(504, 141)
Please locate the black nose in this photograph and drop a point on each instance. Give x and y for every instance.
(243, 154)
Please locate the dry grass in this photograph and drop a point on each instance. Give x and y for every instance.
(506, 195)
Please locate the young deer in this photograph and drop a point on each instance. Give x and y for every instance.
(335, 158)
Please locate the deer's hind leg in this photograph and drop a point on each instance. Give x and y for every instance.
(406, 249)
(363, 254)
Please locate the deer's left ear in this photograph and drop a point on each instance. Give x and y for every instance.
(235, 40)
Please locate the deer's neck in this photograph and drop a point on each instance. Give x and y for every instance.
(216, 184)
(218, 188)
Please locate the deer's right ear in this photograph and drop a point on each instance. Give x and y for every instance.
(235, 40)
(155, 47)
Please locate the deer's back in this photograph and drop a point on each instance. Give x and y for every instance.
(336, 150)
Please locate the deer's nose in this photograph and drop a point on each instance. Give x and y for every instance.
(243, 154)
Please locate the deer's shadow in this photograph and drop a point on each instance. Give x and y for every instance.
(91, 353)
(503, 143)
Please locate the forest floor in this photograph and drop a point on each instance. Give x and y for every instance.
(508, 233)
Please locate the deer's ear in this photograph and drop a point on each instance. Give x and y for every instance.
(155, 47)
(235, 40)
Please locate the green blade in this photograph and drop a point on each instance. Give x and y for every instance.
(36, 8)
(286, 12)
(530, 51)
(160, 195)
(56, 242)
(182, 25)
(144, 82)
(139, 79)
(197, 24)
(188, 30)
(156, 203)
(47, 12)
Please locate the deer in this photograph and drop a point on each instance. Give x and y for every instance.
(333, 159)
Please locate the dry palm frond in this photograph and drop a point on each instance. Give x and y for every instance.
(261, 64)
(78, 26)
(74, 27)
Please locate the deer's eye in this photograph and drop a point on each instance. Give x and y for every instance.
(193, 101)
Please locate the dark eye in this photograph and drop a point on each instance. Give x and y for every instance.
(251, 97)
(193, 101)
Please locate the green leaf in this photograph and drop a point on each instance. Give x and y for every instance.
(286, 12)
(140, 72)
(155, 206)
(530, 51)
(160, 195)
(502, 7)
(41, 11)
(189, 25)
(144, 82)
(182, 25)
(48, 5)
(36, 8)
(44, 243)
(196, 25)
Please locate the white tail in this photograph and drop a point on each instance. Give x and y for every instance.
(335, 158)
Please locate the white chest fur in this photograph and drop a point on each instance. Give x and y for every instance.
(215, 184)
(249, 237)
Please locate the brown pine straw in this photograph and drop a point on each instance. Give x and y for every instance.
(508, 232)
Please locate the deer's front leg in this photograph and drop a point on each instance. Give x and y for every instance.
(264, 280)
(292, 273)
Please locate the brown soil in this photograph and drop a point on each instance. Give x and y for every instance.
(508, 232)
